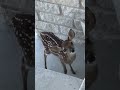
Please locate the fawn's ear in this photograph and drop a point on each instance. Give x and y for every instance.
(71, 34)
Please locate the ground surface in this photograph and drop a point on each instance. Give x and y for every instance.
(50, 80)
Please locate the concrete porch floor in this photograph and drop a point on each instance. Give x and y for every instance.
(50, 80)
(53, 62)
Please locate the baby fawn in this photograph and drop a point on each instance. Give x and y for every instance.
(64, 49)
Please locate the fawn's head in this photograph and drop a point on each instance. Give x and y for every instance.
(68, 47)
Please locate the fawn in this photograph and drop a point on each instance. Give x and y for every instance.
(64, 49)
(24, 32)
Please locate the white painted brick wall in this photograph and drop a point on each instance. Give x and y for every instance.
(59, 16)
(46, 26)
(56, 19)
(47, 7)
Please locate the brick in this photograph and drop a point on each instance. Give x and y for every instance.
(78, 34)
(39, 30)
(80, 15)
(82, 3)
(83, 27)
(73, 12)
(65, 30)
(47, 7)
(36, 16)
(56, 19)
(63, 37)
(46, 26)
(79, 41)
(77, 24)
(72, 3)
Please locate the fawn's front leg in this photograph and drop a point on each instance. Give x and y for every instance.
(45, 57)
(64, 67)
(72, 69)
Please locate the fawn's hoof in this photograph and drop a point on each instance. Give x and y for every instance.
(45, 67)
(73, 72)
(65, 72)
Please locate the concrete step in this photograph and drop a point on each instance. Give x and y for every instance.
(50, 80)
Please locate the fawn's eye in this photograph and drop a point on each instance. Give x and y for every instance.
(64, 49)
(71, 43)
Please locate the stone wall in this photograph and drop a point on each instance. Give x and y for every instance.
(59, 16)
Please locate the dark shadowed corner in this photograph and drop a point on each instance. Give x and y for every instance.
(106, 39)
(11, 52)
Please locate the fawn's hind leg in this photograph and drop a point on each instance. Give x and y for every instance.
(46, 51)
(64, 67)
(72, 69)
(24, 70)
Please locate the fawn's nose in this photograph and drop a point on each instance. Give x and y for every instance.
(72, 50)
